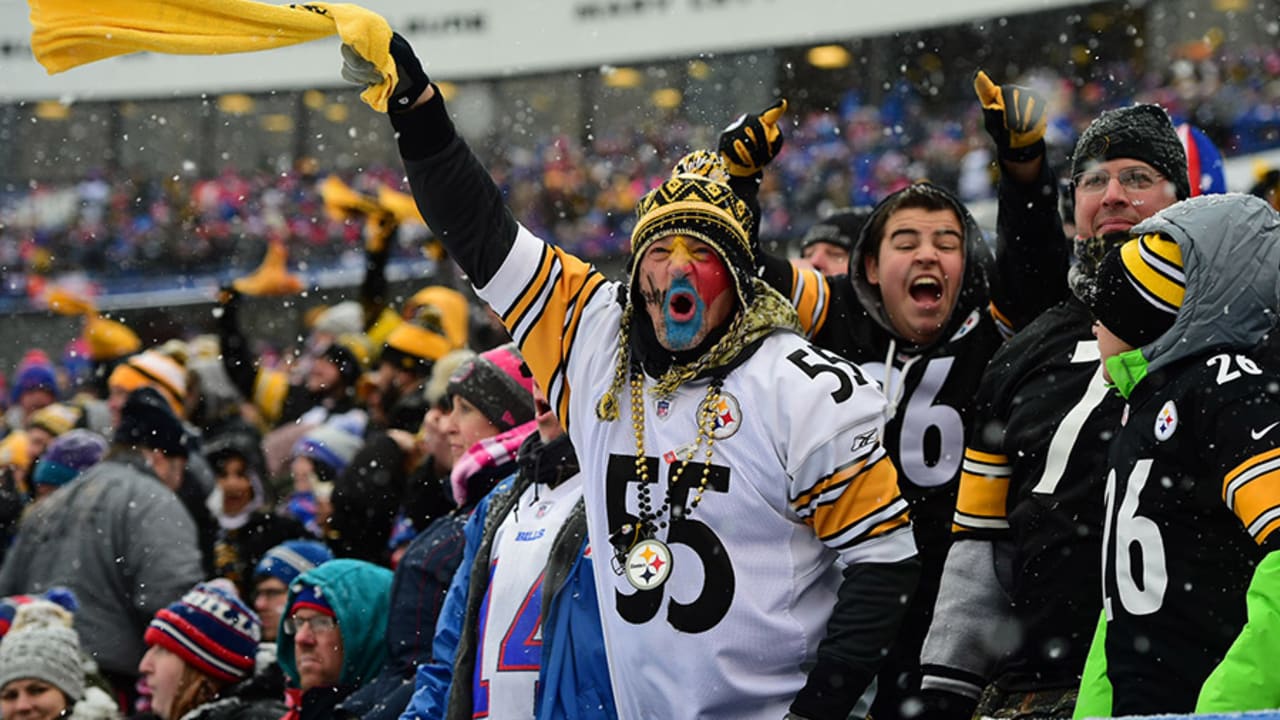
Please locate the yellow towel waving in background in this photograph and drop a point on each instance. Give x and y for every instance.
(70, 33)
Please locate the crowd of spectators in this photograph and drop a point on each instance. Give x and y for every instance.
(579, 191)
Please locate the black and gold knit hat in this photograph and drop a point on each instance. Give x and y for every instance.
(696, 202)
(1140, 289)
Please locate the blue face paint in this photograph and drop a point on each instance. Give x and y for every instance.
(681, 334)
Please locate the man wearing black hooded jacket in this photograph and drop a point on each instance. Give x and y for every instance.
(920, 310)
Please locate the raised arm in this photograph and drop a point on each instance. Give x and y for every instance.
(1031, 250)
(748, 144)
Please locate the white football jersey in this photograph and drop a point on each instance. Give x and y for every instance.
(510, 654)
(798, 479)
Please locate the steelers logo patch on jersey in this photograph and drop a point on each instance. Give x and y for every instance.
(1166, 421)
(728, 417)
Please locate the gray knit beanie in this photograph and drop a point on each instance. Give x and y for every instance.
(42, 646)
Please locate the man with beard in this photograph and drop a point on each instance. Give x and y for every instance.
(1028, 522)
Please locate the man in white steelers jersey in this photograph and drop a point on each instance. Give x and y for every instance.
(727, 463)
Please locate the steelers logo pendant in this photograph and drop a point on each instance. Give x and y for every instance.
(648, 564)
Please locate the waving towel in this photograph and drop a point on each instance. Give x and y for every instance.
(70, 33)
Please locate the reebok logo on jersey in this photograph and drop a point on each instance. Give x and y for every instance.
(864, 439)
(1166, 421)
(1257, 434)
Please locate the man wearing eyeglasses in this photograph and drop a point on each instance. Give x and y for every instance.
(334, 635)
(1020, 591)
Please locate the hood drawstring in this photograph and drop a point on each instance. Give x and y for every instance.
(893, 391)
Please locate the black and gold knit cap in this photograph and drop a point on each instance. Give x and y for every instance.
(696, 202)
(1140, 288)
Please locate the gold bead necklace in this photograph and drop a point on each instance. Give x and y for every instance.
(706, 419)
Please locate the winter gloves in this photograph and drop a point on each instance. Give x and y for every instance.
(1014, 117)
(752, 141)
(412, 82)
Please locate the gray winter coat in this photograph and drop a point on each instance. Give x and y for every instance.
(125, 545)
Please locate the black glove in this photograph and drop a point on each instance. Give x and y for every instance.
(1014, 117)
(752, 141)
(412, 79)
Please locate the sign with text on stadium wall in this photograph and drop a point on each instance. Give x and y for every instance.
(464, 39)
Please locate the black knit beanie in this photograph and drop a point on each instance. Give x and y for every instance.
(1141, 132)
(840, 228)
(147, 421)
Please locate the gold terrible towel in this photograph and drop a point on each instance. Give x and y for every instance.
(70, 33)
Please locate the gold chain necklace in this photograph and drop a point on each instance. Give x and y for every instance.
(646, 560)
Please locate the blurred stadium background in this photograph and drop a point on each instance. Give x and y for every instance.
(147, 180)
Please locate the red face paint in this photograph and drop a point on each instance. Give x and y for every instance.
(704, 268)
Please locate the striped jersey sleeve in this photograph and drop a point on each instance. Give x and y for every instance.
(982, 503)
(541, 292)
(855, 507)
(1252, 491)
(811, 296)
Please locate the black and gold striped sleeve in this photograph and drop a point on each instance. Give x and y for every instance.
(981, 506)
(811, 296)
(1251, 490)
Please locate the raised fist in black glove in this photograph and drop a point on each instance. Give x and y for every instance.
(752, 141)
(1014, 117)
(412, 79)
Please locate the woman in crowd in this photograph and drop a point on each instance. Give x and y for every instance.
(42, 672)
(200, 651)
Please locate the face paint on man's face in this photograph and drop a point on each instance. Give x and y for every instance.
(686, 287)
(682, 313)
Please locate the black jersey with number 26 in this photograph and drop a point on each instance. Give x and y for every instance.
(1193, 505)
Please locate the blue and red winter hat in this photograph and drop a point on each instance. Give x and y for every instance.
(310, 597)
(286, 561)
(34, 372)
(211, 630)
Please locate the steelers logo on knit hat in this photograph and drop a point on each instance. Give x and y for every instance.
(1140, 289)
(697, 202)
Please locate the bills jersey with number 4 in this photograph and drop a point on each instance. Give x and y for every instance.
(796, 481)
(506, 668)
